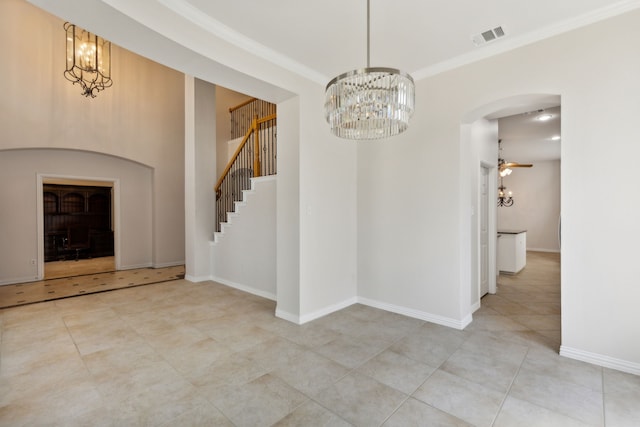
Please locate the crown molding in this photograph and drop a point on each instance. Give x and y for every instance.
(508, 44)
(218, 29)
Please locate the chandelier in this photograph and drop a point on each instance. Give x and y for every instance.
(88, 60)
(504, 199)
(369, 103)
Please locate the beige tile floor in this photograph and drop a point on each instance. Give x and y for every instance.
(185, 354)
(80, 283)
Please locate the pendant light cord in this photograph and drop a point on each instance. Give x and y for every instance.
(368, 36)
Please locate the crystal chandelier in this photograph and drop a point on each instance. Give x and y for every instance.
(88, 60)
(369, 103)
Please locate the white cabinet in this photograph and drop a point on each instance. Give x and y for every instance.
(512, 250)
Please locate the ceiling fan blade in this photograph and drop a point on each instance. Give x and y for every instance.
(515, 165)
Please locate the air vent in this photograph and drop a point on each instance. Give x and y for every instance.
(488, 36)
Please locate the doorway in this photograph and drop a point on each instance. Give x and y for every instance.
(484, 230)
(76, 226)
(479, 141)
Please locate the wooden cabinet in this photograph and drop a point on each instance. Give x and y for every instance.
(512, 250)
(71, 206)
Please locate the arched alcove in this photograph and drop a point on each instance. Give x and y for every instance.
(22, 245)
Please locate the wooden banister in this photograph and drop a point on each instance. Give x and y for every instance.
(242, 104)
(255, 124)
(256, 148)
(245, 164)
(233, 159)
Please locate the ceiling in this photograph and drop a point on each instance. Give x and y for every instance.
(526, 139)
(421, 37)
(321, 40)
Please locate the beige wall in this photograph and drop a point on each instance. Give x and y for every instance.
(536, 192)
(140, 119)
(18, 216)
(224, 99)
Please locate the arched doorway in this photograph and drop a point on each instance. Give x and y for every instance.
(479, 137)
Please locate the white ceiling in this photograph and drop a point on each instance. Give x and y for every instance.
(525, 139)
(421, 37)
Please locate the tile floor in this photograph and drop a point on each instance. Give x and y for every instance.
(63, 287)
(185, 354)
(68, 268)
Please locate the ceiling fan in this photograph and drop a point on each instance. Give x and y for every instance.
(505, 168)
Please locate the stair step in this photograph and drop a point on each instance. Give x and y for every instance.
(236, 207)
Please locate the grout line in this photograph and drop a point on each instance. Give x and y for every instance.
(513, 380)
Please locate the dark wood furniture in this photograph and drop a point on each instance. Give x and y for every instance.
(73, 209)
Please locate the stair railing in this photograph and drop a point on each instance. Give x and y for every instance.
(254, 157)
(242, 115)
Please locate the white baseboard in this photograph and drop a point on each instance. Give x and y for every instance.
(600, 360)
(136, 266)
(475, 307)
(168, 264)
(555, 251)
(197, 279)
(299, 320)
(417, 314)
(287, 316)
(327, 310)
(244, 288)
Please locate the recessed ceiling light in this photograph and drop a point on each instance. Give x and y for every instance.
(555, 138)
(544, 117)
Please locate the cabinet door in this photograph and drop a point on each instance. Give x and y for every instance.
(520, 251)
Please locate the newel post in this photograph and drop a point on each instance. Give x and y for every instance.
(256, 148)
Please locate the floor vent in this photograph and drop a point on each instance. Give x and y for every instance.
(488, 36)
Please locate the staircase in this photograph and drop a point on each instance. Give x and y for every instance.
(255, 121)
(250, 210)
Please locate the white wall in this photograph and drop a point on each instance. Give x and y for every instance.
(411, 224)
(536, 192)
(244, 253)
(483, 151)
(288, 212)
(328, 224)
(140, 119)
(200, 175)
